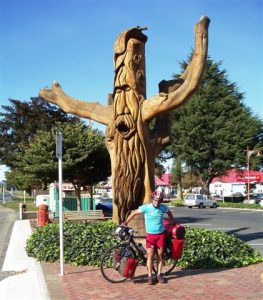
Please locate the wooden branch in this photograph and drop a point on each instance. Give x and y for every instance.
(191, 78)
(90, 110)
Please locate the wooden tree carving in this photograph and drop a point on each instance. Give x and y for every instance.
(132, 143)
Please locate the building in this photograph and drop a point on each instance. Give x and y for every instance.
(236, 181)
(162, 183)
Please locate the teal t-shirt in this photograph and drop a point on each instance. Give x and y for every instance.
(153, 217)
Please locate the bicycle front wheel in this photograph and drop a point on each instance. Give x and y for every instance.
(109, 266)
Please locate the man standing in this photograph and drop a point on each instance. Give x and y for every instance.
(155, 232)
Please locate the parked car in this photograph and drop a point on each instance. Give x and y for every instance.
(166, 199)
(253, 199)
(237, 194)
(104, 204)
(199, 200)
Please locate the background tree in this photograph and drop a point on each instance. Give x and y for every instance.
(211, 131)
(21, 181)
(21, 120)
(159, 169)
(191, 179)
(177, 176)
(85, 157)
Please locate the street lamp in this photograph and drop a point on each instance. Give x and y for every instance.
(249, 153)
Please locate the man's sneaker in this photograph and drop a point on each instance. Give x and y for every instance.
(150, 280)
(161, 279)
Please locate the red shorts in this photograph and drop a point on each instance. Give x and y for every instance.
(155, 240)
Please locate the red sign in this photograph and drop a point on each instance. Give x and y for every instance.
(251, 178)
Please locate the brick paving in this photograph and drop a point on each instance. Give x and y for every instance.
(87, 283)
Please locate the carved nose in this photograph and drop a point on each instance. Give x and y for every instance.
(121, 104)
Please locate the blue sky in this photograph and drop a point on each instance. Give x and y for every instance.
(72, 41)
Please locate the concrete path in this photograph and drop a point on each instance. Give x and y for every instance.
(28, 283)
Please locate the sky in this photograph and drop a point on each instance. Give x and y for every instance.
(72, 41)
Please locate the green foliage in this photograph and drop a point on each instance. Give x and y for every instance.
(177, 203)
(21, 120)
(212, 130)
(14, 204)
(85, 243)
(211, 249)
(238, 205)
(85, 157)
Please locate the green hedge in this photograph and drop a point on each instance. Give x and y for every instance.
(238, 205)
(84, 244)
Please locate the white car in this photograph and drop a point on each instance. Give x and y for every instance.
(199, 200)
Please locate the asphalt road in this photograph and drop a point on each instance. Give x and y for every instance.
(245, 224)
(7, 218)
(7, 196)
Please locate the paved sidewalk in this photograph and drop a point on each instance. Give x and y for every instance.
(35, 281)
(29, 282)
(81, 283)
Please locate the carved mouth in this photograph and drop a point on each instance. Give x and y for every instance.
(123, 128)
(125, 125)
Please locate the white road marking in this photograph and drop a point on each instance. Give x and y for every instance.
(200, 224)
(225, 228)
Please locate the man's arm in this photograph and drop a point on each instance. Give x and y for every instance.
(131, 216)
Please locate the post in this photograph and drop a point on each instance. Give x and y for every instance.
(3, 193)
(249, 153)
(59, 156)
(24, 196)
(248, 178)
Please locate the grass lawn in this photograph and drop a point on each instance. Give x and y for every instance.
(14, 204)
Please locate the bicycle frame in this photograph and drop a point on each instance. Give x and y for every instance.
(132, 244)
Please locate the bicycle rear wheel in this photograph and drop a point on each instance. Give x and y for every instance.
(109, 267)
(168, 265)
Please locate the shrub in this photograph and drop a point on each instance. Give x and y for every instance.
(177, 203)
(213, 248)
(84, 244)
(238, 205)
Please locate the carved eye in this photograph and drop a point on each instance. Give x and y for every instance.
(118, 90)
(137, 58)
(140, 75)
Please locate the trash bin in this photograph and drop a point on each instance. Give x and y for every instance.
(42, 215)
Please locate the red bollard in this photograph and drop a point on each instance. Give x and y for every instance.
(42, 215)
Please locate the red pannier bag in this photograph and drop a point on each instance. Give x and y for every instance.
(174, 239)
(128, 266)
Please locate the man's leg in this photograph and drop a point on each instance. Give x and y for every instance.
(160, 250)
(159, 261)
(150, 254)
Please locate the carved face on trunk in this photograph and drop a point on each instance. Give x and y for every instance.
(128, 150)
(129, 87)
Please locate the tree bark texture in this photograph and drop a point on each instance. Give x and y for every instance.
(137, 128)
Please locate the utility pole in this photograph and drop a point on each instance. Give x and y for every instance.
(249, 153)
(59, 157)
